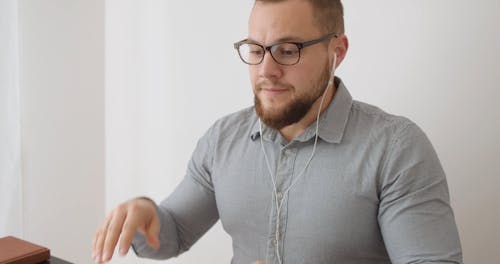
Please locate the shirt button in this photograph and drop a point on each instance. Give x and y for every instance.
(275, 242)
(280, 195)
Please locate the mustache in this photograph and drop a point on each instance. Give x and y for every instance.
(268, 83)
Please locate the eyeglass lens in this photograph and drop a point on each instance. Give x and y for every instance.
(283, 53)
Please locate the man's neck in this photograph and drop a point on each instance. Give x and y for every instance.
(293, 130)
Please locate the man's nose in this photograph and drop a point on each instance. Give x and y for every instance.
(269, 68)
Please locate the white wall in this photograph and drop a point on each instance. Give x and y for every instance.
(10, 138)
(62, 106)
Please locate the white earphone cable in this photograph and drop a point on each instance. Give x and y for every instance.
(278, 200)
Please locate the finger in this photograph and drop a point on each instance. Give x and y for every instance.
(94, 244)
(99, 239)
(113, 232)
(128, 231)
(94, 240)
(153, 231)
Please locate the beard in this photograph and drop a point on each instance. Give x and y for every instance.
(297, 108)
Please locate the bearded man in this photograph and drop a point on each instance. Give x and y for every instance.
(306, 175)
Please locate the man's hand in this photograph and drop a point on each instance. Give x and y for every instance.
(121, 224)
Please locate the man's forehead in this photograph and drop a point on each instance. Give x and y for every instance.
(282, 21)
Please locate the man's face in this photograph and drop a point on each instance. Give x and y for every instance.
(284, 94)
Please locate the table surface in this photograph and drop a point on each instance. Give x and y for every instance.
(54, 260)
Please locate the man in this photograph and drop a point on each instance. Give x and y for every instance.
(352, 185)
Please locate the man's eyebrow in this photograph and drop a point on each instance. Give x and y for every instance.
(280, 40)
(250, 40)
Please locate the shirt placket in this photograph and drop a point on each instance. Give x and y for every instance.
(284, 175)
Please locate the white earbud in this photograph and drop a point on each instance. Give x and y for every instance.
(332, 76)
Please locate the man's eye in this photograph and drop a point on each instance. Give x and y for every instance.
(288, 52)
(255, 52)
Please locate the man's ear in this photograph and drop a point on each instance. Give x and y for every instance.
(339, 46)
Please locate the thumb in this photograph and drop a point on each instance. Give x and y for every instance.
(153, 232)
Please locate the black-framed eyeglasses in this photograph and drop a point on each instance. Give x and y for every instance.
(284, 53)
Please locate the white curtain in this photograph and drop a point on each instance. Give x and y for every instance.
(10, 147)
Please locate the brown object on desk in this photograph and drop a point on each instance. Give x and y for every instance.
(17, 251)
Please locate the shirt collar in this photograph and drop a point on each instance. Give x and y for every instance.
(332, 121)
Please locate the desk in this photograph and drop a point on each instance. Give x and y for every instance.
(54, 260)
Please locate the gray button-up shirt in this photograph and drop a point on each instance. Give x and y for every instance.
(374, 192)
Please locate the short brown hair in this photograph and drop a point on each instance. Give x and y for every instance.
(329, 14)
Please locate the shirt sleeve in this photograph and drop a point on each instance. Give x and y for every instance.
(415, 216)
(189, 212)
